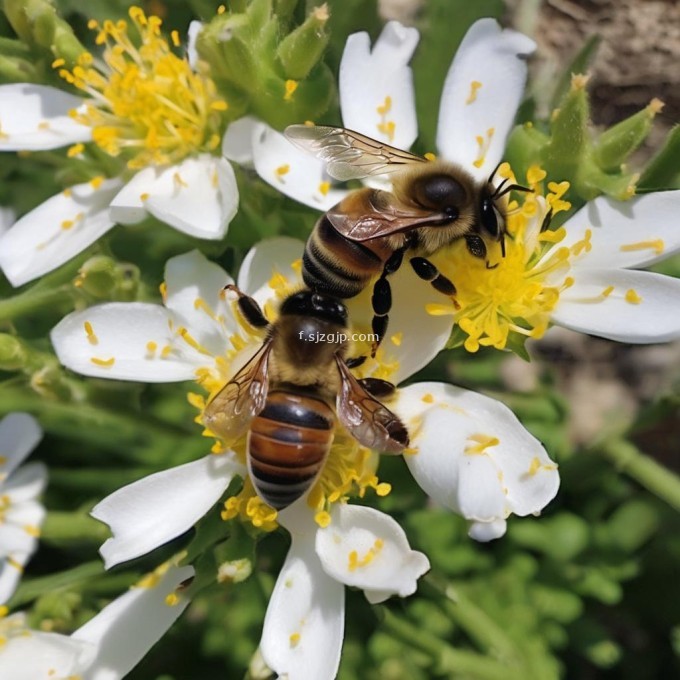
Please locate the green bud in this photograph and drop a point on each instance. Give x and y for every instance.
(44, 23)
(284, 8)
(524, 148)
(65, 45)
(301, 49)
(605, 653)
(9, 47)
(591, 181)
(234, 571)
(617, 143)
(15, 11)
(663, 170)
(225, 43)
(17, 70)
(260, 13)
(98, 276)
(13, 355)
(569, 141)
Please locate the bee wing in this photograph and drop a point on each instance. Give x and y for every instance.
(348, 154)
(368, 222)
(370, 423)
(243, 397)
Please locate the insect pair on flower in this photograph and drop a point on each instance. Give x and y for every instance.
(283, 395)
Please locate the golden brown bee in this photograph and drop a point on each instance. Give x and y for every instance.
(287, 396)
(432, 203)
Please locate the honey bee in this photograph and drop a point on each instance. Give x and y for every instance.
(283, 397)
(432, 203)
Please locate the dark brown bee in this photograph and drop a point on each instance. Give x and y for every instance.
(432, 203)
(287, 397)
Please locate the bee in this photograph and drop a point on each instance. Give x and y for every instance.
(290, 394)
(432, 203)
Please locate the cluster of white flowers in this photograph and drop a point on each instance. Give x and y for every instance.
(468, 452)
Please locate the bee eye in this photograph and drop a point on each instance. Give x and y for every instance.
(488, 217)
(443, 191)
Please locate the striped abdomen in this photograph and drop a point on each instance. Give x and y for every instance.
(287, 446)
(335, 265)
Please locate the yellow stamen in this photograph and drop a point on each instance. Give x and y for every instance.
(633, 297)
(91, 337)
(291, 86)
(657, 245)
(474, 87)
(105, 363)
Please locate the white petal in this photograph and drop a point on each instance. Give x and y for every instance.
(376, 87)
(198, 196)
(633, 233)
(293, 172)
(511, 474)
(35, 117)
(125, 630)
(19, 435)
(237, 143)
(7, 218)
(265, 260)
(413, 337)
(154, 510)
(56, 230)
(127, 206)
(192, 34)
(15, 541)
(652, 315)
(487, 531)
(26, 483)
(9, 580)
(303, 627)
(366, 548)
(32, 655)
(132, 334)
(482, 91)
(194, 287)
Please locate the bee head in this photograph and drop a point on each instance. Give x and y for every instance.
(315, 305)
(442, 193)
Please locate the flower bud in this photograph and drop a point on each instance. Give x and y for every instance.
(13, 355)
(617, 143)
(98, 276)
(524, 148)
(302, 49)
(569, 142)
(65, 45)
(17, 70)
(234, 571)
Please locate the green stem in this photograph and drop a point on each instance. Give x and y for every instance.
(135, 437)
(479, 626)
(447, 659)
(72, 527)
(656, 478)
(32, 301)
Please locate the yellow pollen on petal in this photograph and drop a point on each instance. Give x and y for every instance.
(151, 347)
(427, 398)
(67, 224)
(474, 87)
(105, 363)
(282, 171)
(294, 640)
(172, 599)
(89, 332)
(178, 181)
(32, 530)
(323, 519)
(479, 443)
(191, 341)
(657, 245)
(536, 465)
(607, 291)
(44, 125)
(67, 192)
(75, 150)
(324, 188)
(96, 182)
(484, 143)
(385, 126)
(397, 338)
(430, 156)
(291, 86)
(13, 563)
(633, 297)
(4, 610)
(355, 562)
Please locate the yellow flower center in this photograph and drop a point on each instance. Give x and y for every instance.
(145, 102)
(515, 294)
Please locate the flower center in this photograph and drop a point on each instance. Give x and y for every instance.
(145, 102)
(503, 299)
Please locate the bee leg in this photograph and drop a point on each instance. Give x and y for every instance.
(378, 388)
(355, 362)
(249, 307)
(476, 246)
(428, 272)
(382, 296)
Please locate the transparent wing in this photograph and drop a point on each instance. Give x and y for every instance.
(370, 423)
(348, 154)
(243, 397)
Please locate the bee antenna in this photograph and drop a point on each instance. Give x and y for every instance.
(546, 220)
(512, 187)
(495, 170)
(503, 245)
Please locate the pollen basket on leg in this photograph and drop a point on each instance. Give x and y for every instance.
(145, 102)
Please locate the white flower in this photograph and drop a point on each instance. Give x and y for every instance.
(582, 276)
(21, 515)
(481, 94)
(490, 466)
(108, 646)
(166, 137)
